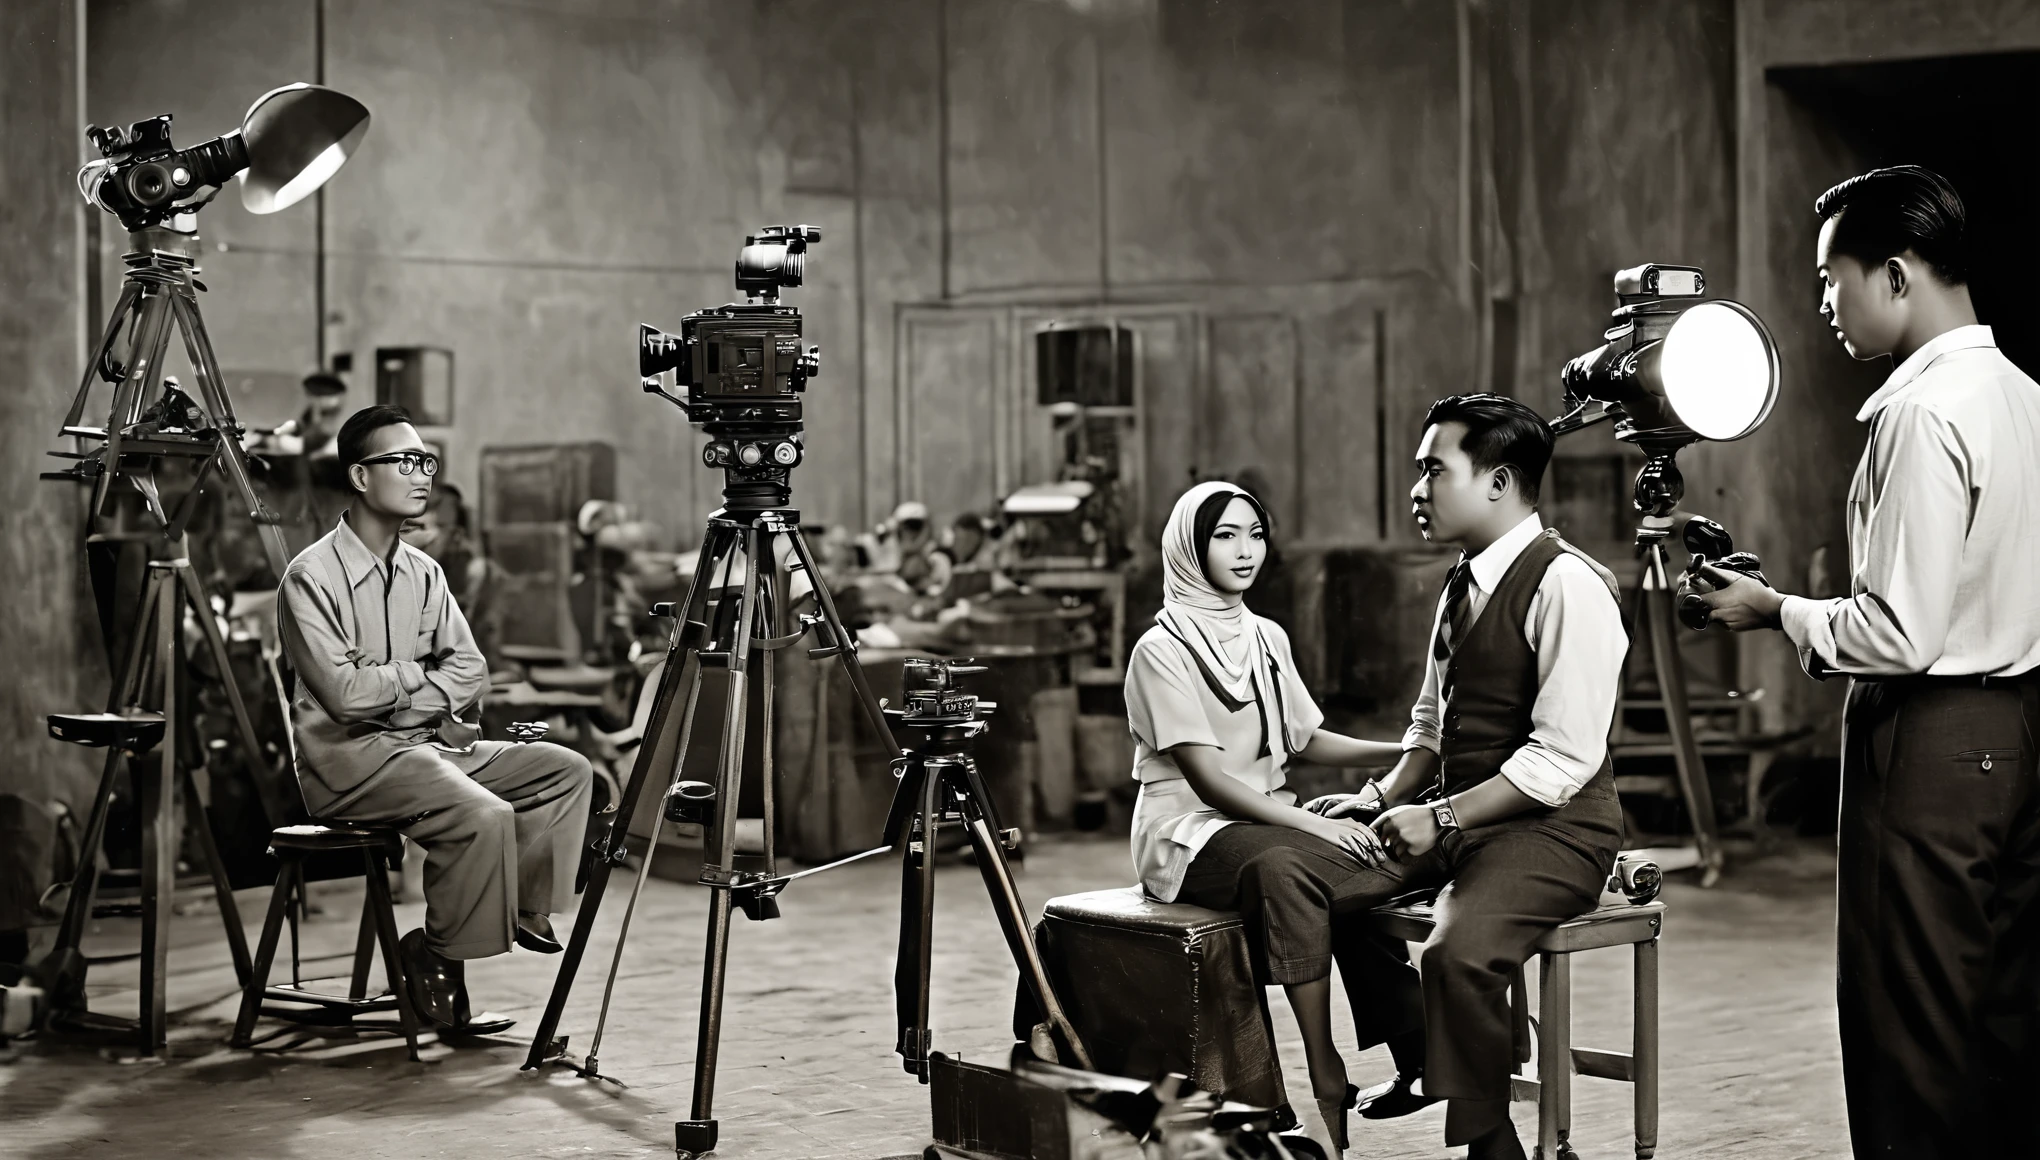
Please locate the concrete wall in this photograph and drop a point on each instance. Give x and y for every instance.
(1318, 215)
(52, 657)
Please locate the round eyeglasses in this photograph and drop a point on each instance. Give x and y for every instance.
(409, 461)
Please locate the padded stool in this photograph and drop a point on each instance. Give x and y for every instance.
(291, 845)
(1155, 987)
(1557, 1059)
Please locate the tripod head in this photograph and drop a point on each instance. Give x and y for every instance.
(945, 718)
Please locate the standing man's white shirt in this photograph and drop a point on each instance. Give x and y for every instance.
(1944, 524)
(1575, 628)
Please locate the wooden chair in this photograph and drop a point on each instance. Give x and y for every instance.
(379, 846)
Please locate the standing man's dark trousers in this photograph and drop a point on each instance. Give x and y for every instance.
(1937, 921)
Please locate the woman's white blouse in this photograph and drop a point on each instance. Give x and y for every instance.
(1168, 704)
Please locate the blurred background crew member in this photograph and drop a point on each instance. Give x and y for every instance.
(388, 683)
(1940, 635)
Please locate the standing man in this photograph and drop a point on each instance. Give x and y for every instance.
(389, 682)
(1940, 820)
(1504, 794)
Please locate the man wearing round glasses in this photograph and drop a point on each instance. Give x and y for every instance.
(389, 687)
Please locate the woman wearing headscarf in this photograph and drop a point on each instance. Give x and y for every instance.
(1218, 713)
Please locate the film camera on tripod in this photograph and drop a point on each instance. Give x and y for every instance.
(738, 372)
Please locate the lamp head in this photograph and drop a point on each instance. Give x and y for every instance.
(298, 137)
(1673, 368)
(292, 140)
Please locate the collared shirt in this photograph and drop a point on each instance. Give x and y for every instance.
(1575, 628)
(1169, 703)
(1944, 524)
(354, 627)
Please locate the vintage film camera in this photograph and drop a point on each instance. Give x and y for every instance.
(937, 708)
(742, 368)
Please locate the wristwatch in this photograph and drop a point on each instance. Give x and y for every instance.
(1447, 820)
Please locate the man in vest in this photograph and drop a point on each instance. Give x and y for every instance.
(389, 685)
(1504, 794)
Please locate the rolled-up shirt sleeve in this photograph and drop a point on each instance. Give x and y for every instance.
(1425, 731)
(1911, 542)
(325, 660)
(1575, 627)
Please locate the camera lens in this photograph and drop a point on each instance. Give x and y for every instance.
(149, 184)
(786, 454)
(751, 455)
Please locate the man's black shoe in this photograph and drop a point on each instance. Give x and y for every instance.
(535, 933)
(435, 982)
(1397, 1097)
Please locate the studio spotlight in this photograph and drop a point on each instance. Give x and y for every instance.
(292, 140)
(1675, 368)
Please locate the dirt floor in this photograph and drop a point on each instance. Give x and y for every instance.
(1750, 1059)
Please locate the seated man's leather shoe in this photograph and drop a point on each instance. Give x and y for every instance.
(434, 981)
(535, 933)
(467, 1023)
(1397, 1097)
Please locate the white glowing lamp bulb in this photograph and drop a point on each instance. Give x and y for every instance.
(1720, 370)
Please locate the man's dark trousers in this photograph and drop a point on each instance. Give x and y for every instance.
(1937, 920)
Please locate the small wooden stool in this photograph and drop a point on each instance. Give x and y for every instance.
(1557, 1058)
(291, 845)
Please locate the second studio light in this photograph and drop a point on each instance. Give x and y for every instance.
(1674, 367)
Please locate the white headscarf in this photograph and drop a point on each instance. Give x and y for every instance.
(1228, 641)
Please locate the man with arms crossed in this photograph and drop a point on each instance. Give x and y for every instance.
(1940, 634)
(388, 684)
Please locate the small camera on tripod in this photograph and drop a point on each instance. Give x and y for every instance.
(936, 705)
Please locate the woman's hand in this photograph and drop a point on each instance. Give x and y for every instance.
(1352, 837)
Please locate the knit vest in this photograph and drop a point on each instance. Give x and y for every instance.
(1493, 685)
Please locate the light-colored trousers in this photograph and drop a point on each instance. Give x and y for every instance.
(501, 827)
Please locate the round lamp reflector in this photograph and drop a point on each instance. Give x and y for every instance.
(298, 136)
(1720, 370)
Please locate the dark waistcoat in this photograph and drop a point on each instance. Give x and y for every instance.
(1491, 685)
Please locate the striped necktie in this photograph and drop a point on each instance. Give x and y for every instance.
(1456, 586)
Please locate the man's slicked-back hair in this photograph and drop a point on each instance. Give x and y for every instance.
(1885, 212)
(1500, 432)
(353, 438)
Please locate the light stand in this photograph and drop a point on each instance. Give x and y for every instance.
(290, 142)
(1673, 370)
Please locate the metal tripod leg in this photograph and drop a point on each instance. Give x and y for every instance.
(912, 967)
(258, 766)
(158, 794)
(1005, 895)
(654, 751)
(115, 323)
(697, 1134)
(145, 367)
(212, 396)
(1658, 609)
